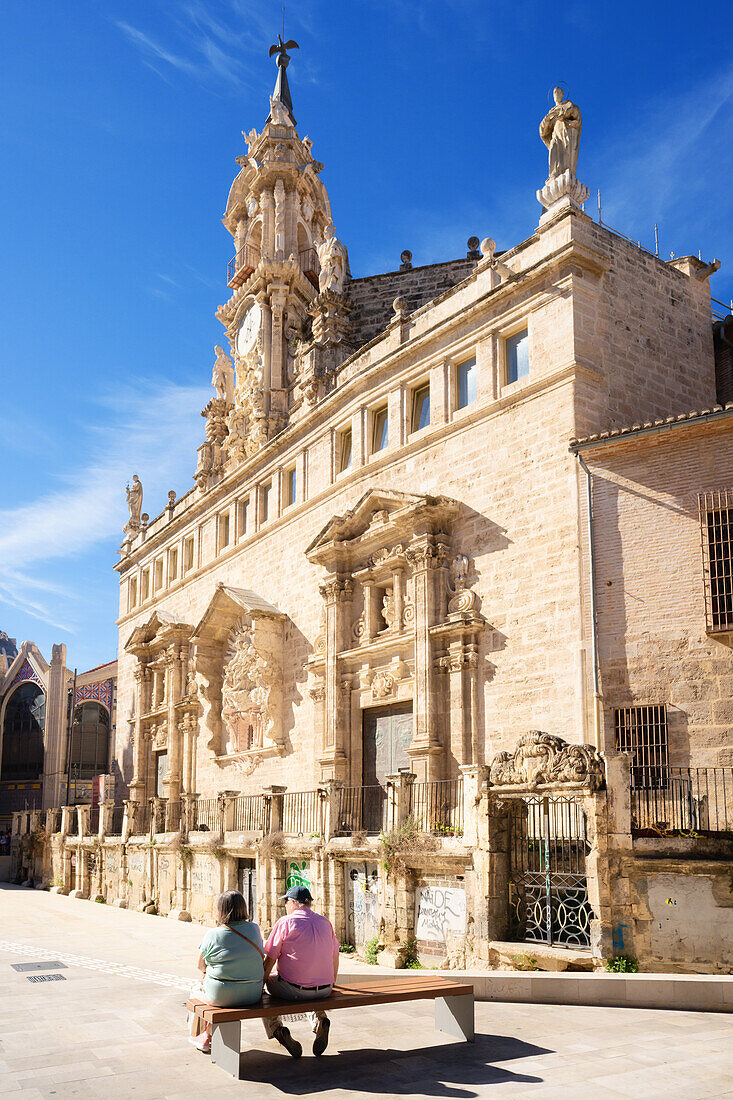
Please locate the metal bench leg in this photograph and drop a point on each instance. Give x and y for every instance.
(454, 1015)
(225, 1042)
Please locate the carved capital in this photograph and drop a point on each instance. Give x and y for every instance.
(337, 589)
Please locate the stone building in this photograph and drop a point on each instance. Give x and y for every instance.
(41, 764)
(386, 581)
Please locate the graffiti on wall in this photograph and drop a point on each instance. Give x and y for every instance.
(440, 910)
(201, 876)
(298, 875)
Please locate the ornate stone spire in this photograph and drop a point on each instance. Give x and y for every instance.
(282, 88)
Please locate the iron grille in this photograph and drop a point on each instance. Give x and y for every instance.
(642, 731)
(115, 821)
(248, 813)
(206, 817)
(172, 816)
(716, 532)
(696, 800)
(302, 813)
(548, 886)
(361, 810)
(437, 807)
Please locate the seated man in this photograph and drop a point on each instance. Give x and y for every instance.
(307, 954)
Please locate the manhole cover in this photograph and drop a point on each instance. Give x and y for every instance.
(46, 977)
(23, 967)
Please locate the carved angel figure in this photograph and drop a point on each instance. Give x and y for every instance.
(332, 258)
(222, 378)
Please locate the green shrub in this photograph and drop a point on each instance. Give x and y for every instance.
(622, 964)
(371, 950)
(410, 959)
(525, 962)
(347, 948)
(100, 901)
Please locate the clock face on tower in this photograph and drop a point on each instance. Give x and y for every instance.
(248, 330)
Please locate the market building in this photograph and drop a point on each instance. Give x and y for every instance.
(384, 646)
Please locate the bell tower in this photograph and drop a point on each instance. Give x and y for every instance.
(279, 215)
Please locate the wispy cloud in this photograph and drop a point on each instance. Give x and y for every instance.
(148, 429)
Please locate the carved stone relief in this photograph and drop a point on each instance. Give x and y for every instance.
(544, 759)
(246, 687)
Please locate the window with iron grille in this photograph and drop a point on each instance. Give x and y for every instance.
(642, 731)
(716, 529)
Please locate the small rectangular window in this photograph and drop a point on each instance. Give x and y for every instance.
(223, 530)
(158, 574)
(290, 486)
(380, 429)
(265, 502)
(420, 408)
(517, 356)
(343, 451)
(642, 731)
(242, 517)
(172, 564)
(145, 584)
(132, 593)
(716, 519)
(188, 554)
(466, 383)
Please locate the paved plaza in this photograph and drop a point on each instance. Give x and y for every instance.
(115, 1027)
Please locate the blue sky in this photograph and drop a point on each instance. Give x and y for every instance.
(120, 125)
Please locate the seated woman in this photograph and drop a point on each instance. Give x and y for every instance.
(231, 960)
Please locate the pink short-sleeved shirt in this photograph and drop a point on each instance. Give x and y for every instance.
(304, 944)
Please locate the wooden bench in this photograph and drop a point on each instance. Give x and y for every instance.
(453, 1010)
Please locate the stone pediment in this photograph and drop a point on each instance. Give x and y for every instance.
(162, 626)
(227, 605)
(544, 760)
(377, 517)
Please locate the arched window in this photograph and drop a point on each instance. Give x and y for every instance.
(90, 741)
(25, 720)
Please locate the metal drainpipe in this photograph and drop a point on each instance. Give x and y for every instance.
(593, 609)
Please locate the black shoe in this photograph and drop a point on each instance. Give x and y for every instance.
(321, 1040)
(292, 1045)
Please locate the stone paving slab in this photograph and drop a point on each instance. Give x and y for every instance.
(111, 1031)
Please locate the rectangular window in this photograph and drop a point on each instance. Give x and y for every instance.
(242, 517)
(132, 593)
(188, 555)
(290, 486)
(343, 451)
(642, 731)
(223, 530)
(158, 574)
(265, 502)
(517, 356)
(172, 564)
(420, 408)
(145, 584)
(380, 429)
(716, 522)
(466, 383)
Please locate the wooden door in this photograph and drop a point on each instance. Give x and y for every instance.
(387, 734)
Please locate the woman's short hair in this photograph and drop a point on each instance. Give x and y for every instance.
(230, 907)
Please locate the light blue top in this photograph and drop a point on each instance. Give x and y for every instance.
(228, 956)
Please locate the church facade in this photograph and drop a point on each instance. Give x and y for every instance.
(387, 642)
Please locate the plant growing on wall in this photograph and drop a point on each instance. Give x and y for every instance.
(410, 957)
(371, 950)
(622, 964)
(404, 844)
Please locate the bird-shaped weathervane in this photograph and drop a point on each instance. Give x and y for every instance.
(282, 89)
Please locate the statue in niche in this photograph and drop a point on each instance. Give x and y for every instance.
(135, 504)
(222, 378)
(388, 610)
(560, 131)
(332, 258)
(244, 695)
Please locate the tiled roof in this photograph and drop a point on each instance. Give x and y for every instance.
(650, 425)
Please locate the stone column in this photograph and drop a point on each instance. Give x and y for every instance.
(426, 558)
(278, 298)
(337, 592)
(332, 805)
(370, 617)
(267, 204)
(128, 819)
(279, 197)
(173, 673)
(228, 806)
(398, 597)
(274, 796)
(56, 733)
(137, 783)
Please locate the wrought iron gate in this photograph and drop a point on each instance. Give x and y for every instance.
(548, 887)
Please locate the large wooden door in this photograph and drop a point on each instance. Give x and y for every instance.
(387, 736)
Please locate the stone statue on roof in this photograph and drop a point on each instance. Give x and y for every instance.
(332, 258)
(135, 504)
(560, 131)
(222, 378)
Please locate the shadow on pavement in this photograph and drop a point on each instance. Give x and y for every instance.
(387, 1072)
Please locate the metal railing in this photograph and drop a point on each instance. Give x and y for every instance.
(721, 310)
(248, 814)
(172, 816)
(243, 263)
(437, 807)
(301, 814)
(205, 816)
(115, 821)
(361, 810)
(667, 801)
